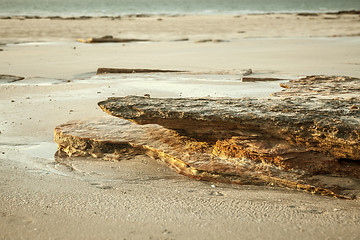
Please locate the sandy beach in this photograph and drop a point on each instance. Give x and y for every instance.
(139, 198)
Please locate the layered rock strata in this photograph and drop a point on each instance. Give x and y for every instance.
(298, 138)
(117, 139)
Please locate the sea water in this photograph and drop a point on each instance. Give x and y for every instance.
(171, 7)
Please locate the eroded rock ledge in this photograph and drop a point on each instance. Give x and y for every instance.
(305, 137)
(328, 124)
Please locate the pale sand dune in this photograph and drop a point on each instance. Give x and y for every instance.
(139, 198)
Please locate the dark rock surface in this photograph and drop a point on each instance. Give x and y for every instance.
(132, 70)
(107, 39)
(257, 79)
(4, 78)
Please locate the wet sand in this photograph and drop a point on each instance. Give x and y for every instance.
(138, 198)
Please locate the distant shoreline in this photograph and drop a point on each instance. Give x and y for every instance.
(145, 15)
(193, 28)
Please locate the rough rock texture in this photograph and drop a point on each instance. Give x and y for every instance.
(326, 125)
(324, 87)
(305, 137)
(116, 139)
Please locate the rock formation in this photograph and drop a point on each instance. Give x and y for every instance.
(111, 39)
(257, 79)
(305, 137)
(10, 78)
(133, 70)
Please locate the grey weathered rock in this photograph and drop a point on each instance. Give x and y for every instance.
(325, 124)
(211, 40)
(247, 72)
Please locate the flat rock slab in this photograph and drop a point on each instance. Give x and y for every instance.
(326, 87)
(327, 126)
(111, 39)
(257, 79)
(117, 139)
(10, 78)
(133, 70)
(307, 139)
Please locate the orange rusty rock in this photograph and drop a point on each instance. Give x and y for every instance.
(116, 139)
(305, 137)
(354, 107)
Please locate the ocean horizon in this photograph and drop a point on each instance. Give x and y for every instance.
(72, 8)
